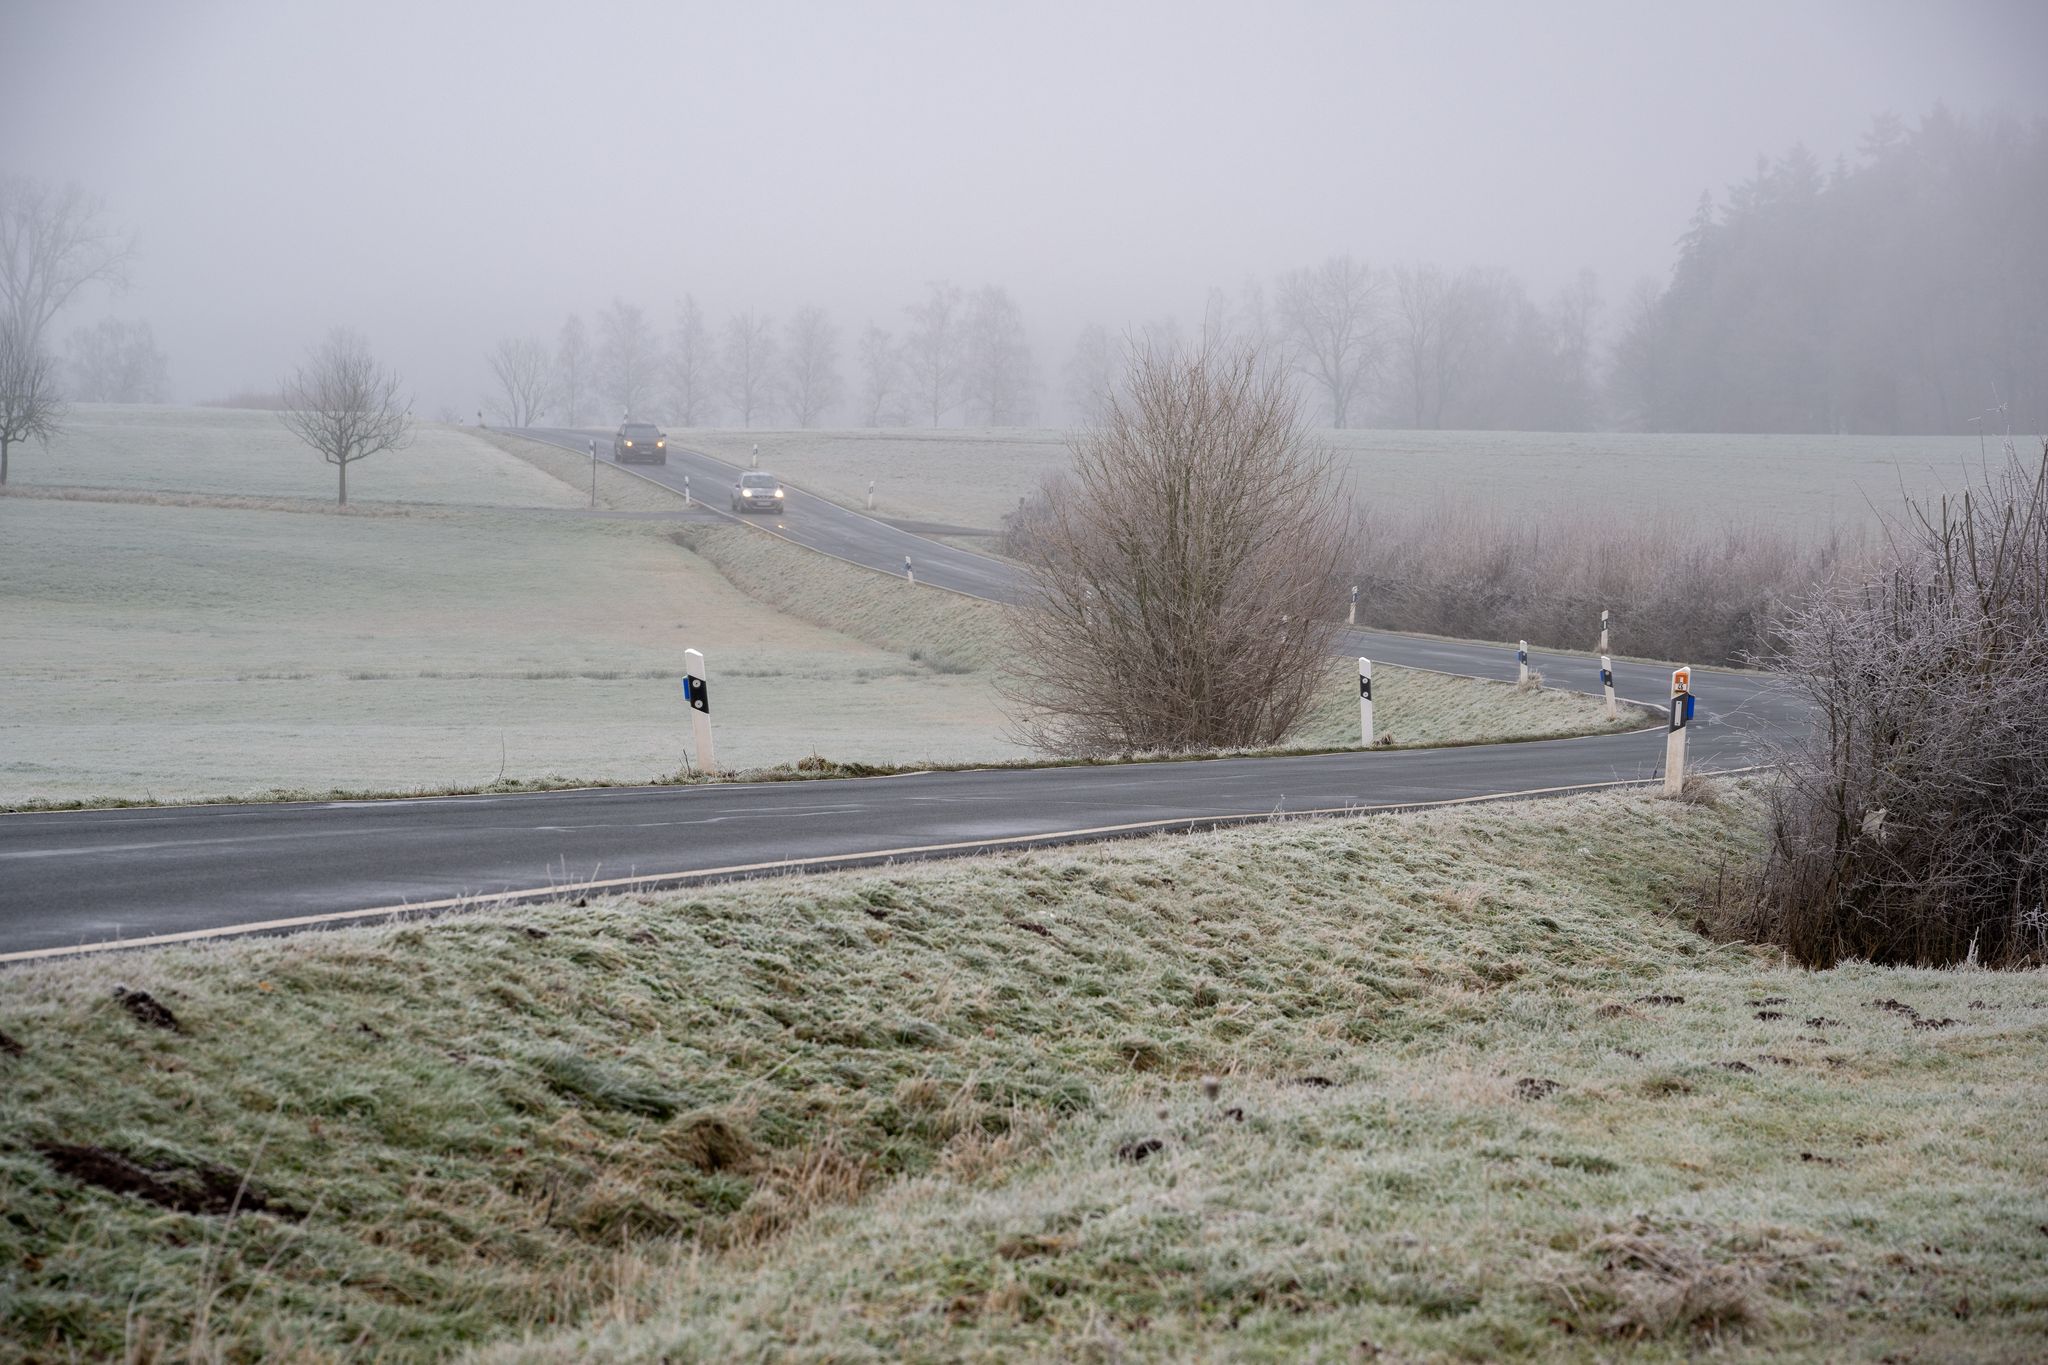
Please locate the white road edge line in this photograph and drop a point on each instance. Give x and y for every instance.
(793, 865)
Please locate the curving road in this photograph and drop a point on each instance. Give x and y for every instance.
(89, 880)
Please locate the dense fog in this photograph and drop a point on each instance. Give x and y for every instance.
(1820, 217)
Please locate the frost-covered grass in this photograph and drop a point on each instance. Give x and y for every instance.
(214, 450)
(971, 477)
(178, 651)
(1482, 1094)
(195, 645)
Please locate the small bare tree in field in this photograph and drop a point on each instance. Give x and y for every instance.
(29, 406)
(1911, 825)
(1185, 569)
(523, 369)
(344, 405)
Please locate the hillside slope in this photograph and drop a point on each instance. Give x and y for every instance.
(1496, 1098)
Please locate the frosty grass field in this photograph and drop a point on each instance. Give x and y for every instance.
(182, 652)
(971, 478)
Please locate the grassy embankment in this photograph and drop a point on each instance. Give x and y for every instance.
(1482, 1093)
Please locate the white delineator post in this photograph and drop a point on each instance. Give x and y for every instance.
(686, 490)
(909, 574)
(697, 691)
(593, 471)
(1674, 739)
(1352, 619)
(1365, 700)
(1522, 662)
(1607, 684)
(1603, 632)
(757, 455)
(871, 495)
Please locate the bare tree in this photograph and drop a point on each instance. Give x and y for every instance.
(1330, 318)
(118, 362)
(747, 363)
(881, 378)
(626, 358)
(1432, 336)
(344, 405)
(931, 350)
(810, 365)
(572, 369)
(692, 367)
(520, 365)
(53, 242)
(997, 371)
(1184, 572)
(1091, 374)
(29, 406)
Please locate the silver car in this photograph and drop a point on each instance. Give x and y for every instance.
(757, 493)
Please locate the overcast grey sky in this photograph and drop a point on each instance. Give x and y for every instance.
(440, 174)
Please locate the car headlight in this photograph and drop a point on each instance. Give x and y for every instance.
(661, 445)
(629, 445)
(778, 492)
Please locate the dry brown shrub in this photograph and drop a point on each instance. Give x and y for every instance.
(1183, 570)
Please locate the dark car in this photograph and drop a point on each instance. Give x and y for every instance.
(757, 493)
(640, 443)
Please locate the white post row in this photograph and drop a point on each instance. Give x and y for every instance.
(1607, 684)
(909, 574)
(1674, 740)
(1522, 663)
(697, 692)
(871, 495)
(1365, 700)
(1352, 619)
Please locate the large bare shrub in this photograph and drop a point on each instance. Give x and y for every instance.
(1184, 568)
(345, 405)
(1911, 826)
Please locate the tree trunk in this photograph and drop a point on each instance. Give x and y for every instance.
(3, 459)
(343, 467)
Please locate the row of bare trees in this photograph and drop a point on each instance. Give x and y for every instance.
(958, 354)
(1403, 346)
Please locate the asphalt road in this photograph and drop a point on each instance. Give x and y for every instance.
(814, 522)
(95, 879)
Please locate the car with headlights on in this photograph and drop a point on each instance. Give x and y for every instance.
(640, 443)
(757, 493)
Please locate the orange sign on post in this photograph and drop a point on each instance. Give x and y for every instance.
(1674, 740)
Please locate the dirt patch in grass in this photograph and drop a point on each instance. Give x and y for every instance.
(197, 1187)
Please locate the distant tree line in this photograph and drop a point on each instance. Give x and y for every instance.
(1905, 292)
(956, 356)
(1389, 346)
